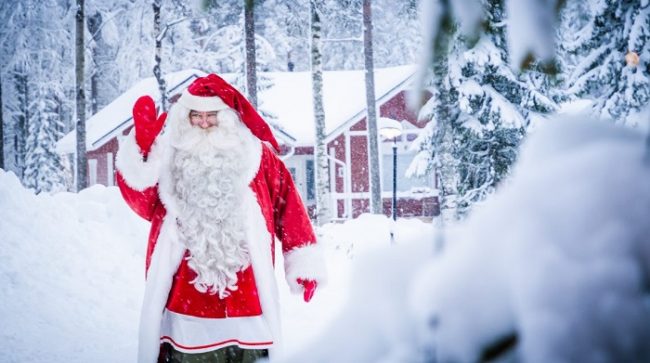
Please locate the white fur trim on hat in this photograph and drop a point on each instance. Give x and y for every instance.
(201, 103)
(305, 263)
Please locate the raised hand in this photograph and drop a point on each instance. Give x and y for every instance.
(147, 124)
(309, 288)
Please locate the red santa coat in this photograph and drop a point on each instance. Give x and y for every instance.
(273, 209)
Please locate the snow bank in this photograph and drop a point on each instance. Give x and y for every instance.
(559, 257)
(558, 261)
(372, 305)
(72, 273)
(72, 268)
(350, 249)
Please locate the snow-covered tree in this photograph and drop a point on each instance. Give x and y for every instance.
(480, 111)
(45, 171)
(102, 42)
(606, 47)
(397, 35)
(35, 41)
(284, 25)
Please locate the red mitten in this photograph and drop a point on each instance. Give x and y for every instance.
(309, 288)
(147, 125)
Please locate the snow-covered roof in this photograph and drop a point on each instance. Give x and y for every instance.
(289, 99)
(344, 98)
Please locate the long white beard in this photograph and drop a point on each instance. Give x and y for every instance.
(208, 169)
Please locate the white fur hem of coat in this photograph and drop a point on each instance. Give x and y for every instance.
(305, 263)
(137, 173)
(165, 260)
(168, 255)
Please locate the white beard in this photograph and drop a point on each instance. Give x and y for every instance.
(207, 172)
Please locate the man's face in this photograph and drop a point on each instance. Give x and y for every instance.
(204, 120)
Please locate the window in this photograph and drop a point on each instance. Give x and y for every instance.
(404, 184)
(311, 190)
(292, 170)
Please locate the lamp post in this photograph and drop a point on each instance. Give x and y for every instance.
(392, 129)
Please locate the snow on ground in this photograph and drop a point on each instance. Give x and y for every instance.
(72, 270)
(559, 258)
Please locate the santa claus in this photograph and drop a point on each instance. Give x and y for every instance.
(217, 196)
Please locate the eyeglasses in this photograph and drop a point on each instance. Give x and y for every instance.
(196, 117)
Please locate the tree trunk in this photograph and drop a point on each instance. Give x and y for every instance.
(20, 130)
(2, 137)
(94, 24)
(447, 164)
(82, 164)
(373, 142)
(93, 93)
(158, 36)
(321, 171)
(249, 32)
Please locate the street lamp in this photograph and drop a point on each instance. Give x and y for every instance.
(392, 129)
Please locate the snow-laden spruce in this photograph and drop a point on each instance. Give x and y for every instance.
(605, 47)
(480, 112)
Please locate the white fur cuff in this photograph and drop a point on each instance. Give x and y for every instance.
(201, 103)
(137, 173)
(305, 263)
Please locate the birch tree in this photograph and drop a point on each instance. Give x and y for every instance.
(2, 128)
(249, 45)
(321, 170)
(82, 163)
(158, 36)
(371, 119)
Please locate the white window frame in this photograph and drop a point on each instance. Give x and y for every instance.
(110, 169)
(92, 172)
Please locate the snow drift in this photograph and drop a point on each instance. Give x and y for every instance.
(71, 275)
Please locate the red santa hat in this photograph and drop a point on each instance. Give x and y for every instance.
(212, 93)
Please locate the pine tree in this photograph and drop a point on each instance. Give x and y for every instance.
(608, 55)
(35, 49)
(488, 111)
(45, 170)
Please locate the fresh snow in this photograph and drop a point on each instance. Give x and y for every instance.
(559, 256)
(72, 273)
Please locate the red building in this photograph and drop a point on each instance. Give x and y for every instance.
(287, 105)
